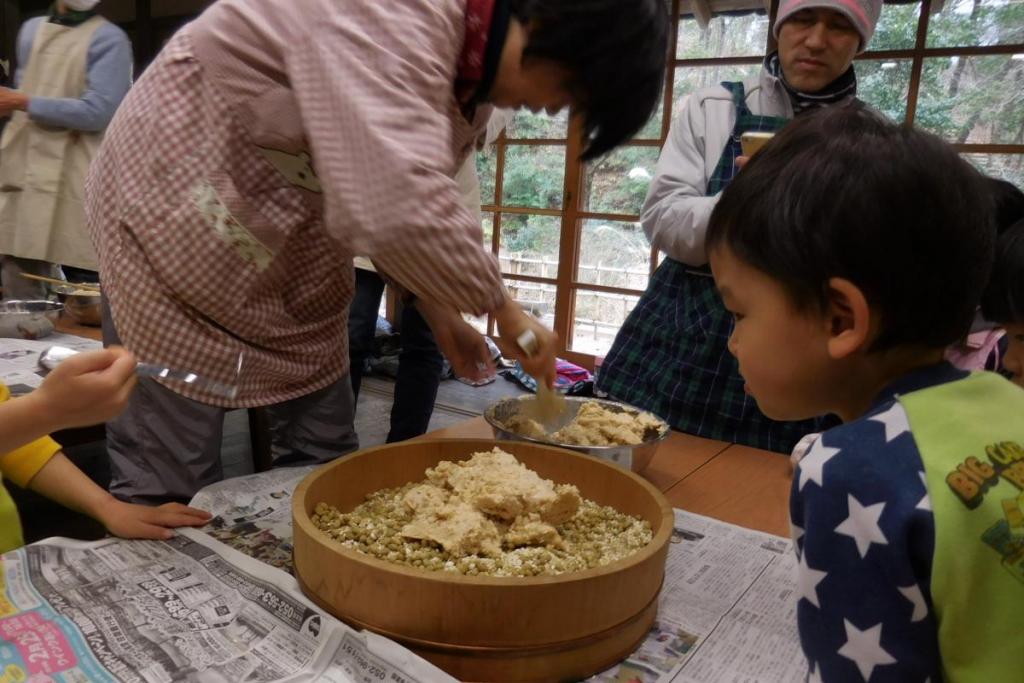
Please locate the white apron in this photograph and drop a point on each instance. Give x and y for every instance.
(42, 168)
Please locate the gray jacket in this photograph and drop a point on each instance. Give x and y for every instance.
(676, 212)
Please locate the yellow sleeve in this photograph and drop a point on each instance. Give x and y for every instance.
(21, 464)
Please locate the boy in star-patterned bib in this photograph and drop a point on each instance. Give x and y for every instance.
(851, 252)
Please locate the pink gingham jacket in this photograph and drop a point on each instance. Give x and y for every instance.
(268, 144)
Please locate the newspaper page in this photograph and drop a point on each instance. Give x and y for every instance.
(727, 610)
(188, 609)
(253, 514)
(19, 359)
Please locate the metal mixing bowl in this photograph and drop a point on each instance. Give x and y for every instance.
(28, 319)
(635, 457)
(81, 305)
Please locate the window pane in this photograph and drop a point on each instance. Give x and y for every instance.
(884, 84)
(487, 223)
(614, 254)
(973, 99)
(535, 297)
(529, 244)
(725, 36)
(690, 78)
(652, 129)
(617, 182)
(485, 168)
(599, 315)
(1006, 166)
(534, 176)
(897, 28)
(526, 124)
(977, 22)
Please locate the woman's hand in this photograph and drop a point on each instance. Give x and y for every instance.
(539, 362)
(462, 345)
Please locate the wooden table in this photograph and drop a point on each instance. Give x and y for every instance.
(736, 484)
(69, 326)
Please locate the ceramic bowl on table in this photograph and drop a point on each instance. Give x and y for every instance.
(486, 628)
(635, 457)
(81, 305)
(28, 319)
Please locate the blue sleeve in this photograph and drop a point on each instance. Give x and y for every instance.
(865, 539)
(26, 36)
(108, 77)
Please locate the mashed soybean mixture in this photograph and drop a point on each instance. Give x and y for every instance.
(594, 425)
(486, 515)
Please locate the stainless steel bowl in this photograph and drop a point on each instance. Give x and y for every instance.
(81, 305)
(635, 457)
(28, 319)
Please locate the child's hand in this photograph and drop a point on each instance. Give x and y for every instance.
(87, 388)
(141, 521)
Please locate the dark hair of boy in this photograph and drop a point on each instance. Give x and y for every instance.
(842, 192)
(1009, 203)
(616, 51)
(1003, 300)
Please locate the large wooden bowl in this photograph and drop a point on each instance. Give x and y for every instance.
(486, 628)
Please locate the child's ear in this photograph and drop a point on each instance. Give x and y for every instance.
(848, 319)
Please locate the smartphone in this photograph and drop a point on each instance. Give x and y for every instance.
(752, 141)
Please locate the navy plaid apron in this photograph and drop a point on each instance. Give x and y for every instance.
(671, 356)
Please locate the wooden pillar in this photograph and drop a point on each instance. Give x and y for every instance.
(143, 44)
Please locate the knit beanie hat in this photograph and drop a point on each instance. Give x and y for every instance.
(863, 14)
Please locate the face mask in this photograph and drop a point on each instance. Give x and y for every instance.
(81, 5)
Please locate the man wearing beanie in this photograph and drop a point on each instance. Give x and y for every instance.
(671, 355)
(74, 68)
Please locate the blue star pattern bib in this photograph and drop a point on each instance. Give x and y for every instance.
(909, 527)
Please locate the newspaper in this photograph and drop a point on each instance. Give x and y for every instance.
(253, 514)
(19, 359)
(727, 610)
(188, 609)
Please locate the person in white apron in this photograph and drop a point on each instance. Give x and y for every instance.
(74, 68)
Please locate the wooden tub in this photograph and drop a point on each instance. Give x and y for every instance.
(486, 628)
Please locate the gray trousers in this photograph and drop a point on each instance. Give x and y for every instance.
(19, 288)
(165, 447)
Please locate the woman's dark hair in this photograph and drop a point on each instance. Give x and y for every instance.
(1003, 301)
(616, 51)
(842, 192)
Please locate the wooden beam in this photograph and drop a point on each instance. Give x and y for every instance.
(569, 248)
(702, 13)
(918, 65)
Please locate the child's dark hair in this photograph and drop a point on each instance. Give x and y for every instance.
(1003, 301)
(1009, 203)
(842, 192)
(616, 51)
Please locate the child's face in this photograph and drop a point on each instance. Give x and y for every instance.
(1013, 361)
(782, 352)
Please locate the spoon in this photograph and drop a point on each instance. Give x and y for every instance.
(549, 404)
(55, 355)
